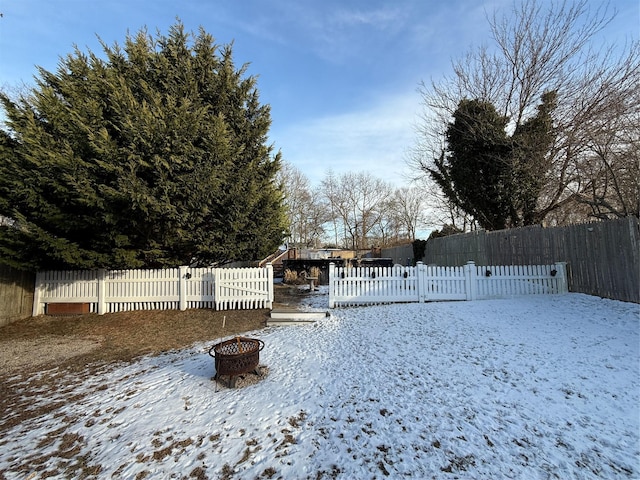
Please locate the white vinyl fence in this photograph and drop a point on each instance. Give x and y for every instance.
(109, 291)
(422, 283)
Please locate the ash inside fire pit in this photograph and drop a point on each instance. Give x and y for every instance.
(236, 356)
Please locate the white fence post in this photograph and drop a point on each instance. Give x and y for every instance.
(561, 269)
(332, 271)
(216, 287)
(470, 278)
(102, 291)
(421, 284)
(182, 288)
(270, 285)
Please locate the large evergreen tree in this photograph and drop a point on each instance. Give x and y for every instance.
(153, 154)
(490, 175)
(474, 172)
(530, 162)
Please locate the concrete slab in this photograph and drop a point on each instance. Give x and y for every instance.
(294, 317)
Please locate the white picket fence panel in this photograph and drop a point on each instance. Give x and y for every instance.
(372, 284)
(442, 283)
(424, 283)
(500, 281)
(110, 291)
(243, 288)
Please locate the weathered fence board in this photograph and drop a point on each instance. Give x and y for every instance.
(16, 294)
(167, 289)
(422, 283)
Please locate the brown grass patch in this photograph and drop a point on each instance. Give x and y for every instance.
(75, 341)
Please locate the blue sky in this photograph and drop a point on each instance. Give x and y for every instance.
(341, 76)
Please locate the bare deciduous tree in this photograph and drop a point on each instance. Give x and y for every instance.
(303, 205)
(409, 203)
(388, 230)
(549, 47)
(606, 171)
(358, 202)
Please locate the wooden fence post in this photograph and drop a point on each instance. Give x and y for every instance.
(561, 269)
(332, 299)
(182, 287)
(102, 291)
(470, 279)
(38, 309)
(270, 285)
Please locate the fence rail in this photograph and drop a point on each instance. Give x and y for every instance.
(110, 291)
(422, 283)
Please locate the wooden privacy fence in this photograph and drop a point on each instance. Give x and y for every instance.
(422, 283)
(110, 291)
(16, 294)
(603, 258)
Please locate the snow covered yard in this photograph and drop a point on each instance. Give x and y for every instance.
(530, 387)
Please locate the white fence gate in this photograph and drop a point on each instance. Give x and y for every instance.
(422, 283)
(109, 291)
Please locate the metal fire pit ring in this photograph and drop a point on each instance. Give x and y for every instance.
(236, 356)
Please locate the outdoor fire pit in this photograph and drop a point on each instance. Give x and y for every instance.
(235, 357)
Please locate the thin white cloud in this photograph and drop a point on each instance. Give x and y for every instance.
(329, 31)
(347, 34)
(373, 139)
(380, 19)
